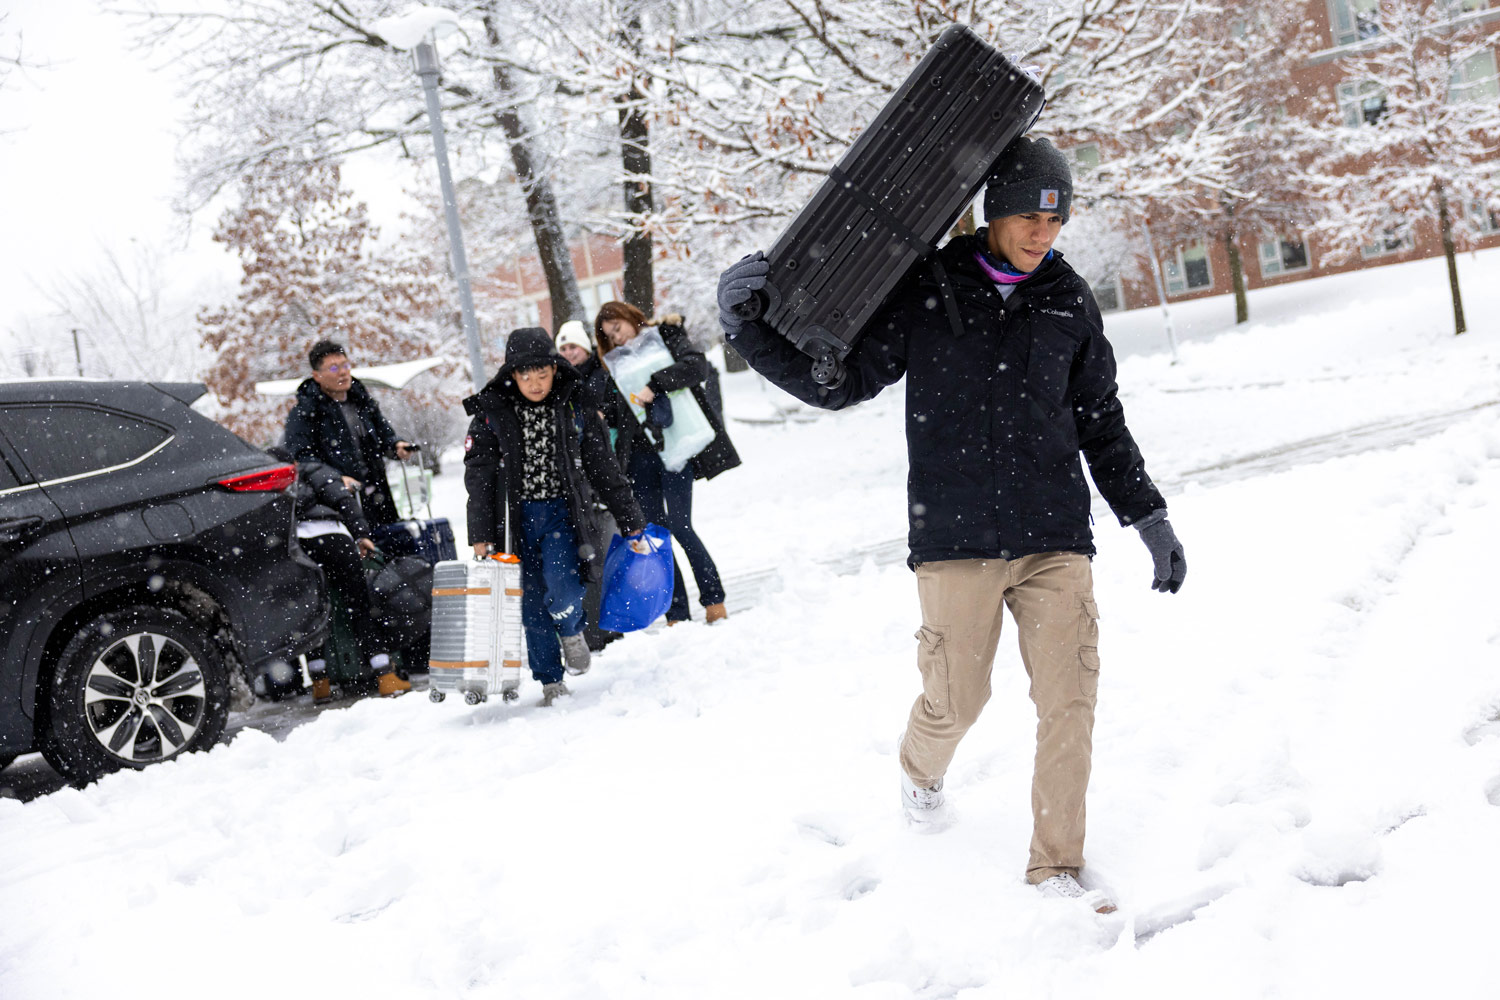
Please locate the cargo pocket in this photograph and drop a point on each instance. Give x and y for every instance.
(1088, 647)
(1088, 621)
(1088, 671)
(932, 661)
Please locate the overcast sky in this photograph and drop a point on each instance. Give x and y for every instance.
(88, 157)
(86, 154)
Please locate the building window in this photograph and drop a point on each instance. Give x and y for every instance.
(1485, 220)
(596, 295)
(1474, 79)
(1361, 103)
(1390, 241)
(1085, 157)
(1188, 270)
(1281, 256)
(1108, 295)
(1354, 20)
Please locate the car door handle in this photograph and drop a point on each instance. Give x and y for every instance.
(13, 528)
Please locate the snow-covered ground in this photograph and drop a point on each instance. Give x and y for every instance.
(1296, 789)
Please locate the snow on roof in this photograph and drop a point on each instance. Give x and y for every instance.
(394, 376)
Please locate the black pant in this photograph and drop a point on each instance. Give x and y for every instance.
(379, 505)
(667, 499)
(340, 559)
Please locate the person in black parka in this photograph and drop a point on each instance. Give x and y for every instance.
(1009, 378)
(337, 422)
(534, 459)
(668, 496)
(333, 531)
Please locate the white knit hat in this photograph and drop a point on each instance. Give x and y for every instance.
(573, 332)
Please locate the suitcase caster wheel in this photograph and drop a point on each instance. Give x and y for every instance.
(435, 696)
(472, 698)
(511, 694)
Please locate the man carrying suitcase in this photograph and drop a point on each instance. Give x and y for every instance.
(337, 422)
(534, 456)
(1009, 378)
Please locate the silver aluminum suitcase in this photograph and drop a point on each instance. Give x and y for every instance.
(476, 629)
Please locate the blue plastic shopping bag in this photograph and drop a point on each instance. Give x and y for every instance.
(637, 586)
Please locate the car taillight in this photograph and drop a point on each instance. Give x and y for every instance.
(266, 480)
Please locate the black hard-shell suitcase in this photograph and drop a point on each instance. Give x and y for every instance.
(892, 195)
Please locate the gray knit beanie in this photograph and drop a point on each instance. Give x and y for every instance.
(1031, 175)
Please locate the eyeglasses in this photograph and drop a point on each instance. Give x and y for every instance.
(336, 369)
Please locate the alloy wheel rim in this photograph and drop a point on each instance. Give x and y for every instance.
(144, 697)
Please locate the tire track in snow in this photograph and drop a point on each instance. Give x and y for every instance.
(748, 589)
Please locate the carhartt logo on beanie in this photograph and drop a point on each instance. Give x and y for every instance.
(1030, 176)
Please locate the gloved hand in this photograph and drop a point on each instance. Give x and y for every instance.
(736, 287)
(659, 412)
(1166, 552)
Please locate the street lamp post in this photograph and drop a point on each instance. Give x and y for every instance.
(416, 30)
(427, 69)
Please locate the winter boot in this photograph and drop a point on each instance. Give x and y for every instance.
(1065, 886)
(322, 687)
(714, 613)
(575, 654)
(552, 692)
(390, 685)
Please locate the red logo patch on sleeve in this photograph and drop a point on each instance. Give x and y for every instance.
(468, 442)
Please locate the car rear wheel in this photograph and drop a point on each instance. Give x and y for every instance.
(133, 688)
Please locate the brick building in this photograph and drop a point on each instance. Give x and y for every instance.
(1321, 83)
(598, 262)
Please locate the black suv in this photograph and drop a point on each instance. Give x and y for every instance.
(145, 553)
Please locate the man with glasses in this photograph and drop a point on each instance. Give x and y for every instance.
(336, 421)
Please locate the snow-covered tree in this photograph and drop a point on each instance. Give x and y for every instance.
(1417, 132)
(319, 81)
(304, 246)
(128, 321)
(1244, 157)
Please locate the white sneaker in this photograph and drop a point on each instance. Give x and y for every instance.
(925, 807)
(1067, 887)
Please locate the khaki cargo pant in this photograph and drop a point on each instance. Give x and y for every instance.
(1051, 599)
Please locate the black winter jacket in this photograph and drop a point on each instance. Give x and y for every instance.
(1000, 400)
(492, 465)
(322, 496)
(690, 370)
(316, 430)
(600, 393)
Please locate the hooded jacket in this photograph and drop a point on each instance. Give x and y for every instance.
(1001, 399)
(317, 431)
(492, 454)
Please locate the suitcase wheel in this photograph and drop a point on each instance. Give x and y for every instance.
(511, 694)
(434, 695)
(472, 697)
(752, 308)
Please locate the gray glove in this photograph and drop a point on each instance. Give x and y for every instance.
(1166, 552)
(737, 286)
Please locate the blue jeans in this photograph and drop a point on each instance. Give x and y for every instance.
(551, 592)
(667, 499)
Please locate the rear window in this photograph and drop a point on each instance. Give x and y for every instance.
(59, 440)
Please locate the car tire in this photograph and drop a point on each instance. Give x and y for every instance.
(132, 688)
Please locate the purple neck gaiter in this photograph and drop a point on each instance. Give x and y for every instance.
(1001, 272)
